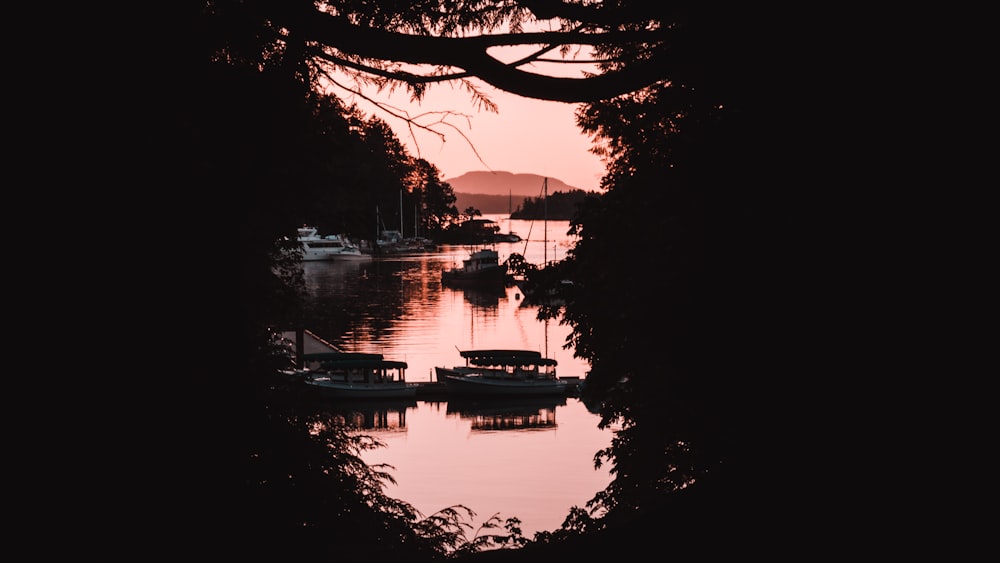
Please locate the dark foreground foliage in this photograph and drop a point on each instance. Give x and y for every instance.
(694, 318)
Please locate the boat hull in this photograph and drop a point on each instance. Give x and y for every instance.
(478, 384)
(340, 390)
(482, 267)
(331, 247)
(313, 255)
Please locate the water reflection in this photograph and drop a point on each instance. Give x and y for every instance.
(462, 451)
(383, 415)
(485, 298)
(370, 296)
(399, 308)
(518, 413)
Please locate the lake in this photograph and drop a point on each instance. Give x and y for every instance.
(527, 459)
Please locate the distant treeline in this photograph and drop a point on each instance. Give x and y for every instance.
(560, 206)
(486, 203)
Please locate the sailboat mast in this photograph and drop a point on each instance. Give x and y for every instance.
(510, 198)
(400, 212)
(545, 230)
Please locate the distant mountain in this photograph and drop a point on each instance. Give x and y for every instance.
(488, 204)
(505, 183)
(498, 192)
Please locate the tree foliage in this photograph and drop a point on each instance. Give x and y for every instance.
(561, 206)
(682, 312)
(239, 132)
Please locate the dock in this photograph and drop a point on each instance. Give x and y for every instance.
(313, 344)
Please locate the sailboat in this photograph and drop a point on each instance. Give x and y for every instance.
(545, 223)
(393, 242)
(529, 283)
(509, 236)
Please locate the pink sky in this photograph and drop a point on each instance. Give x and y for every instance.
(527, 136)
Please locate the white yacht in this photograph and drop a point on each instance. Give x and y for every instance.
(331, 247)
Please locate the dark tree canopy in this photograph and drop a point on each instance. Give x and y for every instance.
(703, 111)
(434, 42)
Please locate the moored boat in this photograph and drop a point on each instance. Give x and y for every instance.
(509, 237)
(331, 247)
(503, 372)
(344, 375)
(481, 268)
(393, 242)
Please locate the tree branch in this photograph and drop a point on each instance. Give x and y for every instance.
(414, 121)
(470, 55)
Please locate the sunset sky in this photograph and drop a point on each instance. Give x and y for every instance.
(527, 136)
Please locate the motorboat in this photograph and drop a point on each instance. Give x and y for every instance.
(503, 372)
(346, 375)
(481, 268)
(508, 237)
(317, 248)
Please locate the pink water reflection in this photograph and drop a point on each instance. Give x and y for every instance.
(535, 474)
(532, 465)
(438, 321)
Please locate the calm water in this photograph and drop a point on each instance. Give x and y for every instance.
(529, 459)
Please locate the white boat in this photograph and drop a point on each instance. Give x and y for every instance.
(503, 372)
(481, 268)
(331, 247)
(509, 236)
(344, 375)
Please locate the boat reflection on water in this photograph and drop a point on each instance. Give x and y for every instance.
(482, 297)
(507, 413)
(387, 415)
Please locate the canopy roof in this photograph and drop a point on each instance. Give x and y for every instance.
(339, 356)
(512, 361)
(345, 360)
(506, 358)
(363, 363)
(500, 353)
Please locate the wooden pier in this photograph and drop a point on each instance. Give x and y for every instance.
(313, 344)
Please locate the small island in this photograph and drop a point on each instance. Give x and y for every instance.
(560, 206)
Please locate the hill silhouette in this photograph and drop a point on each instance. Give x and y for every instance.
(498, 192)
(505, 183)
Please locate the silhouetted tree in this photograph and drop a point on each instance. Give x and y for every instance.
(685, 301)
(437, 198)
(235, 131)
(558, 206)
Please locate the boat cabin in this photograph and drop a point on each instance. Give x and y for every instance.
(355, 367)
(518, 364)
